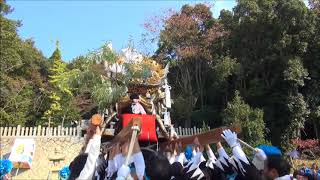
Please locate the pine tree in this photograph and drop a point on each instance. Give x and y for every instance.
(60, 94)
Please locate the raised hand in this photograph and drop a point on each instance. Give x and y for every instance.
(259, 153)
(123, 172)
(98, 131)
(230, 137)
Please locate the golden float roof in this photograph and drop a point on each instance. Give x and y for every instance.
(156, 70)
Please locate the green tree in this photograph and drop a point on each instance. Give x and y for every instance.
(60, 94)
(251, 120)
(89, 78)
(269, 39)
(22, 73)
(299, 111)
(311, 61)
(185, 42)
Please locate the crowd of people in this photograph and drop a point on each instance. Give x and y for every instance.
(307, 173)
(178, 162)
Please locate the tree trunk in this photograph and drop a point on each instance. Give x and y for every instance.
(62, 123)
(49, 122)
(187, 122)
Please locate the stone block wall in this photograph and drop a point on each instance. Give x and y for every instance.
(46, 147)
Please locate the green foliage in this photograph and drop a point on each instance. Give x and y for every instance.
(295, 72)
(102, 54)
(271, 40)
(104, 91)
(105, 94)
(186, 42)
(225, 67)
(23, 73)
(105, 87)
(60, 94)
(251, 120)
(299, 111)
(268, 50)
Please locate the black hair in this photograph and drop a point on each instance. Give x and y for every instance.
(102, 165)
(134, 96)
(278, 163)
(176, 170)
(207, 172)
(157, 165)
(77, 165)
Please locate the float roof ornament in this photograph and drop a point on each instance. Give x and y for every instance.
(131, 55)
(144, 71)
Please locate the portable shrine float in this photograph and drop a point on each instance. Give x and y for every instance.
(149, 82)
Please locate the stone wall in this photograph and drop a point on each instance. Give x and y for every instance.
(46, 148)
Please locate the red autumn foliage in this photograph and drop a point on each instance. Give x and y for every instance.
(306, 144)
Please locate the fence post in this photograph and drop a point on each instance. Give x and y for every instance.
(13, 131)
(43, 131)
(55, 131)
(18, 130)
(1, 130)
(39, 130)
(9, 131)
(47, 131)
(78, 131)
(74, 131)
(22, 131)
(63, 131)
(5, 131)
(66, 131)
(59, 130)
(27, 131)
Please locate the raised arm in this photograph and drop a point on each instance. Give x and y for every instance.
(93, 154)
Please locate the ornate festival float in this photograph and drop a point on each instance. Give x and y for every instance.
(130, 83)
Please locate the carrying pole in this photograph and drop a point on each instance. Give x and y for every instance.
(247, 145)
(135, 130)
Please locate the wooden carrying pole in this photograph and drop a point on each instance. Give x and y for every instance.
(135, 130)
(247, 145)
(126, 132)
(209, 137)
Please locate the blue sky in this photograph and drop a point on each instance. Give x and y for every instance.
(81, 26)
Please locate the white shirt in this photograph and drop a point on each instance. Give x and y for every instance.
(93, 150)
(137, 109)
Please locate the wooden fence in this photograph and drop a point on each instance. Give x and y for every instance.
(68, 131)
(40, 131)
(188, 131)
